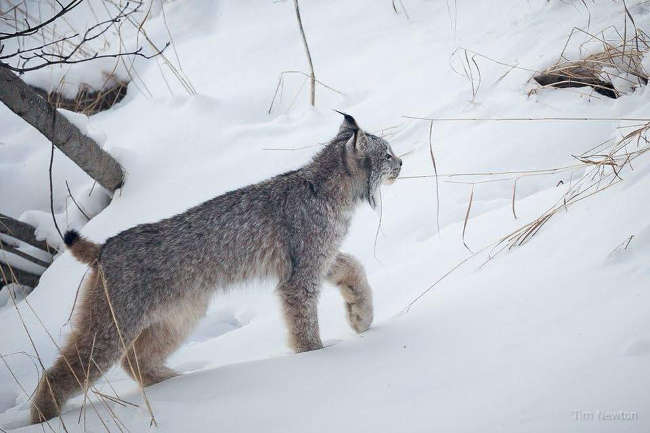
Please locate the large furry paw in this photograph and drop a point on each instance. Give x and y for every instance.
(43, 406)
(43, 413)
(359, 315)
(307, 347)
(157, 375)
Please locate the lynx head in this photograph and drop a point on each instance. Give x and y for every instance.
(370, 156)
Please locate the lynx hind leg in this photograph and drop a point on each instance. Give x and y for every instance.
(91, 349)
(70, 374)
(156, 342)
(348, 274)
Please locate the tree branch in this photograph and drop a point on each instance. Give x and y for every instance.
(9, 249)
(30, 55)
(31, 30)
(38, 112)
(22, 231)
(11, 274)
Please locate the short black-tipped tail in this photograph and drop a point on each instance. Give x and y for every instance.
(83, 250)
(71, 236)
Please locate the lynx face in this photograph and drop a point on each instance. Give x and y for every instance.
(381, 162)
(372, 155)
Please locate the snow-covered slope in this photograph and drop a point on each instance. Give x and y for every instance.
(550, 336)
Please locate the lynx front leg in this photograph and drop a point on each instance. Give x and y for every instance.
(300, 308)
(348, 274)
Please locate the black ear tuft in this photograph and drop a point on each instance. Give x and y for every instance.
(348, 121)
(71, 236)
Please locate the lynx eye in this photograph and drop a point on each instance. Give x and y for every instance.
(389, 156)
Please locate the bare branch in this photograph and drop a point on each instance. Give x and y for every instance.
(312, 76)
(31, 59)
(31, 30)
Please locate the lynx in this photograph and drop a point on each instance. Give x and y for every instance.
(150, 284)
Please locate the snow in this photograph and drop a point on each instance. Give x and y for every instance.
(16, 291)
(550, 336)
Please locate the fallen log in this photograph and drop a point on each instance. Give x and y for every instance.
(38, 112)
(576, 79)
(87, 101)
(9, 249)
(11, 274)
(22, 231)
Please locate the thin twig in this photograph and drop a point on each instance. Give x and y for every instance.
(279, 86)
(527, 119)
(56, 225)
(312, 76)
(469, 207)
(435, 172)
(381, 217)
(75, 201)
(126, 349)
(514, 192)
(76, 296)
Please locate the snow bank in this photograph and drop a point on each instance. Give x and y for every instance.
(535, 339)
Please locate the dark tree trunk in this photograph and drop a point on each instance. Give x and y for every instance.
(21, 277)
(21, 231)
(83, 150)
(15, 251)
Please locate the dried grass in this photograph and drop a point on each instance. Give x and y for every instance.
(277, 94)
(83, 382)
(471, 71)
(601, 168)
(435, 173)
(602, 165)
(614, 69)
(469, 208)
(152, 420)
(89, 101)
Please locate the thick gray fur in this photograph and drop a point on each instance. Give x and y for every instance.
(155, 280)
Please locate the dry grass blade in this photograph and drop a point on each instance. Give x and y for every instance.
(599, 168)
(126, 350)
(469, 64)
(279, 86)
(22, 388)
(38, 356)
(445, 275)
(469, 207)
(381, 217)
(589, 184)
(312, 74)
(514, 192)
(117, 400)
(67, 362)
(76, 296)
(531, 119)
(435, 173)
(497, 173)
(82, 410)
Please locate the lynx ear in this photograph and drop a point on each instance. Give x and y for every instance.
(348, 122)
(358, 141)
